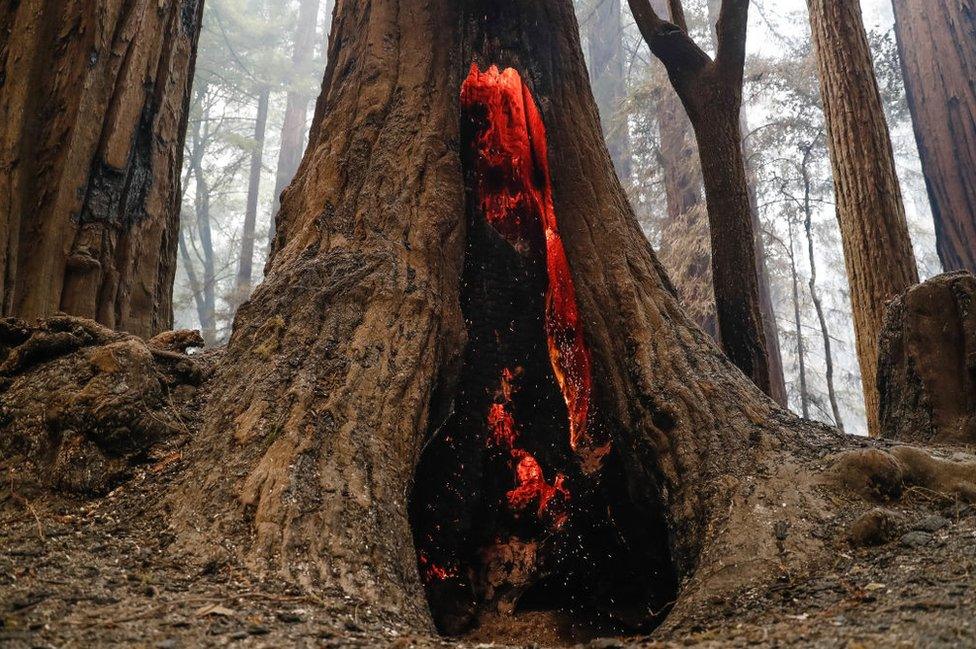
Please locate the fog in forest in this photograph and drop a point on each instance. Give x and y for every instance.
(260, 65)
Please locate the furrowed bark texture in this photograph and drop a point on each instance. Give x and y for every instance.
(344, 361)
(93, 107)
(937, 44)
(927, 374)
(874, 229)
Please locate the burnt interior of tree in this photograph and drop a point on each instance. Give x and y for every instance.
(520, 506)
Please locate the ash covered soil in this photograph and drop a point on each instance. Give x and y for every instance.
(104, 572)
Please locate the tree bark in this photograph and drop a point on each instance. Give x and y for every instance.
(295, 124)
(344, 362)
(605, 37)
(874, 229)
(927, 375)
(245, 267)
(94, 111)
(937, 44)
(711, 92)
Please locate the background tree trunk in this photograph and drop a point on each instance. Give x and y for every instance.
(801, 353)
(294, 126)
(93, 114)
(874, 229)
(207, 301)
(245, 268)
(937, 44)
(685, 248)
(605, 35)
(777, 378)
(711, 92)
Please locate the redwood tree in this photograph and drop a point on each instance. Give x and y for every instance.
(345, 363)
(937, 44)
(711, 92)
(874, 228)
(344, 366)
(93, 109)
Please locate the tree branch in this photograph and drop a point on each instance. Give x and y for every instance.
(730, 34)
(678, 15)
(670, 44)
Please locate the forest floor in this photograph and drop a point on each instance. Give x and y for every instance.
(101, 572)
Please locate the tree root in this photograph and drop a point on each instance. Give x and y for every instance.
(80, 404)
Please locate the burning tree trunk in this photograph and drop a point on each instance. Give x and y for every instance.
(373, 344)
(874, 229)
(937, 44)
(94, 113)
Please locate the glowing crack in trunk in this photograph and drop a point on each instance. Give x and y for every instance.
(515, 194)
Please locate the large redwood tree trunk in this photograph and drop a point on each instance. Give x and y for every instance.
(344, 363)
(874, 228)
(937, 44)
(318, 418)
(93, 111)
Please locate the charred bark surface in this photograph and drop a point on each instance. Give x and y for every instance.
(874, 229)
(94, 110)
(927, 363)
(937, 44)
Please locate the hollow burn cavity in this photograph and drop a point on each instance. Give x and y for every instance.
(521, 514)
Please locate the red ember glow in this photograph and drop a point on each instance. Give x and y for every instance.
(532, 486)
(530, 480)
(432, 571)
(515, 193)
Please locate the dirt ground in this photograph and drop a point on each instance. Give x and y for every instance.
(101, 572)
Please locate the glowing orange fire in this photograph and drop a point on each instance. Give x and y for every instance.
(431, 571)
(515, 193)
(530, 480)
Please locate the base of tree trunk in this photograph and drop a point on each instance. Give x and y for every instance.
(927, 363)
(837, 538)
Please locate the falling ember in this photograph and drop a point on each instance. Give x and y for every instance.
(532, 487)
(515, 195)
(432, 571)
(530, 481)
